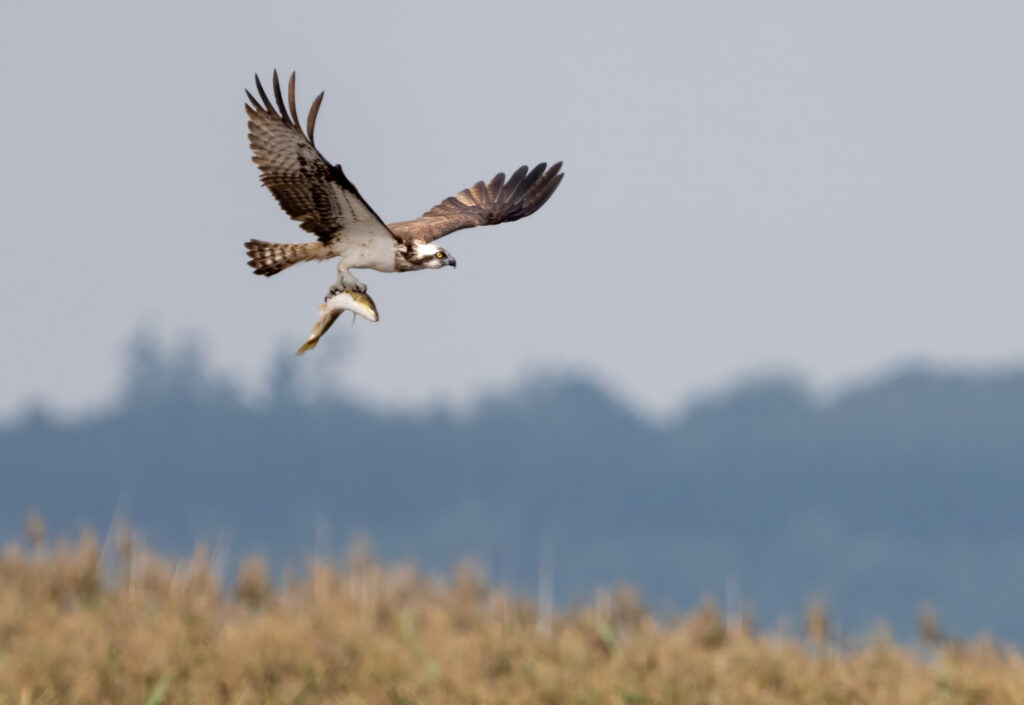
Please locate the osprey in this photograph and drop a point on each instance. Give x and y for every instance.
(324, 202)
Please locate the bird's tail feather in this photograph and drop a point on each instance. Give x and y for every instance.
(269, 258)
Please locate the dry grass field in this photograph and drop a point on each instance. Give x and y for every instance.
(83, 625)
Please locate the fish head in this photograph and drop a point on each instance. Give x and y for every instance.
(364, 306)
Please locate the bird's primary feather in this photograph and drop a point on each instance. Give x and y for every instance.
(480, 204)
(309, 189)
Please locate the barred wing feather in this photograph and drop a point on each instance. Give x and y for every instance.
(309, 189)
(485, 204)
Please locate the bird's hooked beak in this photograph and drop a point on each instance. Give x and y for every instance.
(450, 261)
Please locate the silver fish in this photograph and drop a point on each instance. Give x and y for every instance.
(354, 301)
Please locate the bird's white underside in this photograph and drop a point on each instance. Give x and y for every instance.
(365, 242)
(365, 245)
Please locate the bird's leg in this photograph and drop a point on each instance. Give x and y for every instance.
(346, 282)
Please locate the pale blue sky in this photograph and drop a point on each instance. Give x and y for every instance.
(827, 188)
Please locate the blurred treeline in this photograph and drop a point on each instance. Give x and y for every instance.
(902, 491)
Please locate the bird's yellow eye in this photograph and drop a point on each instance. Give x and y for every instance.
(440, 255)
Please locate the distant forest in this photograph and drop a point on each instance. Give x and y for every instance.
(905, 490)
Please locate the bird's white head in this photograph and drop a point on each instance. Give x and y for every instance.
(430, 256)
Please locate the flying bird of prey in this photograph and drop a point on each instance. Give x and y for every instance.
(324, 202)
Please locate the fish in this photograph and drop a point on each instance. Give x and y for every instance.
(358, 303)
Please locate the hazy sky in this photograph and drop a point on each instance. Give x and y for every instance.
(827, 188)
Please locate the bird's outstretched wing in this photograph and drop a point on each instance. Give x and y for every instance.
(484, 204)
(307, 187)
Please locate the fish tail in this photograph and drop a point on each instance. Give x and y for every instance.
(308, 345)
